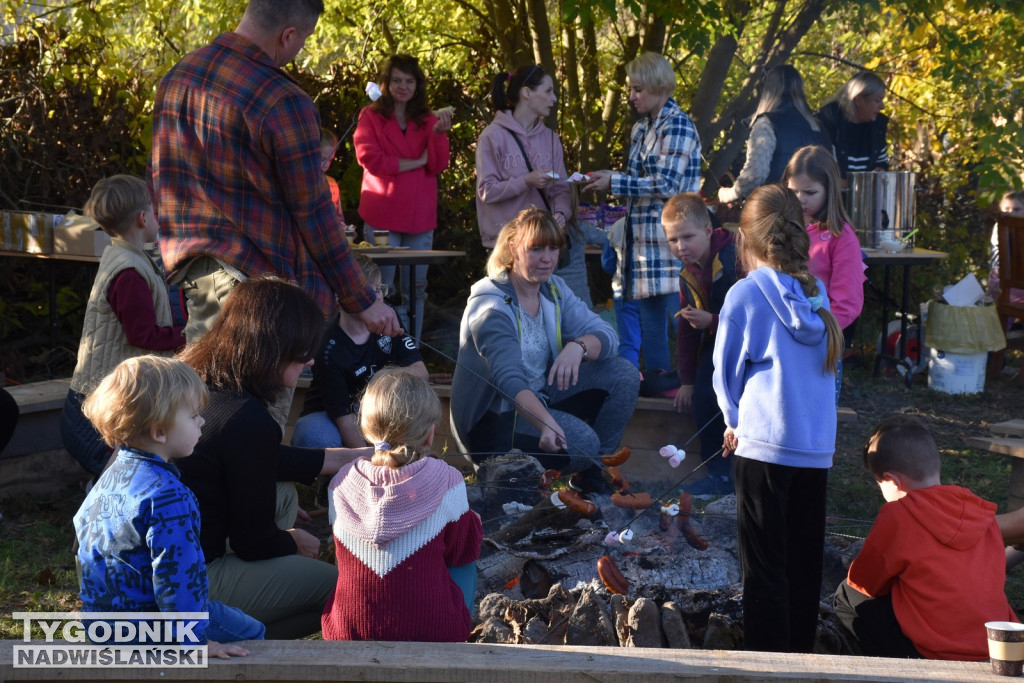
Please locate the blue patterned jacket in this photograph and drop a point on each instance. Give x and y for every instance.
(664, 160)
(138, 535)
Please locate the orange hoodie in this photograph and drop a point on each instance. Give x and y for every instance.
(939, 552)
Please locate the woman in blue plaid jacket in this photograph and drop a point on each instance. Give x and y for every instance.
(664, 160)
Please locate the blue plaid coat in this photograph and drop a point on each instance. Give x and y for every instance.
(664, 160)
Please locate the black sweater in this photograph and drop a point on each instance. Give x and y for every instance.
(234, 472)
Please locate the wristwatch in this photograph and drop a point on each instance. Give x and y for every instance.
(582, 346)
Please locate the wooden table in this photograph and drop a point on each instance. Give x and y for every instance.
(407, 258)
(907, 259)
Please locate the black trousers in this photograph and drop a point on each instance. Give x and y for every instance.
(872, 622)
(781, 534)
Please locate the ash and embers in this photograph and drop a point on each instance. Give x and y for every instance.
(539, 581)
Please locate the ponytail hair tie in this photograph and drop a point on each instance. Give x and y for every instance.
(382, 446)
(508, 76)
(816, 302)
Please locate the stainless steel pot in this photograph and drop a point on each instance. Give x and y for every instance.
(882, 205)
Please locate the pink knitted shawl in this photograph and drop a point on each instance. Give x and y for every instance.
(384, 515)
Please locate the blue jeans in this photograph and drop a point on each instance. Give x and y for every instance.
(316, 430)
(654, 313)
(627, 320)
(593, 414)
(229, 624)
(465, 578)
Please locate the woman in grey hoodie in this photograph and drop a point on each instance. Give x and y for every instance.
(537, 370)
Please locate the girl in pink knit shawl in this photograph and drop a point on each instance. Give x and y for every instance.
(403, 530)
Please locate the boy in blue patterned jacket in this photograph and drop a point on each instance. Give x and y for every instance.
(138, 528)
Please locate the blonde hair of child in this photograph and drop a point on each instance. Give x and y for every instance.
(686, 207)
(772, 232)
(116, 201)
(818, 164)
(396, 414)
(141, 393)
(371, 271)
(532, 227)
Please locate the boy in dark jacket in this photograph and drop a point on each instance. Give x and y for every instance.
(709, 270)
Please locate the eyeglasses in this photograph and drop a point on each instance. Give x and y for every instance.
(382, 289)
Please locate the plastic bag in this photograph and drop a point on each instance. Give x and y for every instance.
(963, 329)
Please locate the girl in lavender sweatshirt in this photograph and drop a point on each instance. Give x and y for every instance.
(403, 530)
(775, 360)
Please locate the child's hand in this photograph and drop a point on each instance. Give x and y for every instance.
(698, 319)
(684, 398)
(729, 442)
(224, 650)
(302, 517)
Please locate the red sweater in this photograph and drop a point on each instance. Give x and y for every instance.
(400, 202)
(396, 534)
(939, 552)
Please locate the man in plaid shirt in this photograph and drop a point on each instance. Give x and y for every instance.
(664, 160)
(235, 173)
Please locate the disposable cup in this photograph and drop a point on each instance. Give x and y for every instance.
(1006, 647)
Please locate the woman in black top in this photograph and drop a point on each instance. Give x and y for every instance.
(241, 473)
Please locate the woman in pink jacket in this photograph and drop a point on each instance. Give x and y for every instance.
(402, 147)
(519, 161)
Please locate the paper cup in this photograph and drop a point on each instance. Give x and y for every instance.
(1006, 647)
(380, 238)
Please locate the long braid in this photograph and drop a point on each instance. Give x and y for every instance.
(776, 221)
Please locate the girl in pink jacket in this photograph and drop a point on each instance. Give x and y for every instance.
(402, 147)
(519, 162)
(836, 259)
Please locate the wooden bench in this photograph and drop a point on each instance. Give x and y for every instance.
(35, 460)
(1007, 439)
(311, 660)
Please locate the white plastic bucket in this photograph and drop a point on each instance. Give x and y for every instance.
(956, 373)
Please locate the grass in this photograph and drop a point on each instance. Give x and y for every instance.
(36, 534)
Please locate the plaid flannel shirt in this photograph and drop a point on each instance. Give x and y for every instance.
(664, 160)
(235, 174)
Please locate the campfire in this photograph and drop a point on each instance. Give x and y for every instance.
(551, 575)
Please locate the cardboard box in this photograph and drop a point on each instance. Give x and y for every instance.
(28, 232)
(79, 236)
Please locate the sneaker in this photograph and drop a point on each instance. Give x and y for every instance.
(712, 485)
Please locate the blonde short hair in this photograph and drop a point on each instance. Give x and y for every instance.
(685, 207)
(532, 227)
(652, 71)
(142, 393)
(396, 414)
(115, 201)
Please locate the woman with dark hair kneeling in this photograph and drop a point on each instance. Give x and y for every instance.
(537, 369)
(241, 473)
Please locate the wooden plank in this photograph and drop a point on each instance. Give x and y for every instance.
(40, 396)
(1008, 428)
(1012, 447)
(309, 660)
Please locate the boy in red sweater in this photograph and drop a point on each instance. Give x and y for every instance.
(931, 571)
